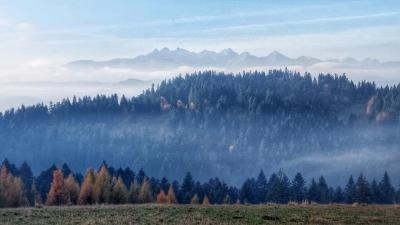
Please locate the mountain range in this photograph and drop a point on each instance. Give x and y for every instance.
(167, 59)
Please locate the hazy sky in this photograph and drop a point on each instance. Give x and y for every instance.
(40, 33)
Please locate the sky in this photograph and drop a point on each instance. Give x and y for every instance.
(36, 35)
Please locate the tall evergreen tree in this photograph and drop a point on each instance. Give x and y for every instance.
(261, 188)
(26, 175)
(338, 195)
(363, 193)
(187, 188)
(350, 191)
(387, 190)
(313, 194)
(298, 189)
(323, 191)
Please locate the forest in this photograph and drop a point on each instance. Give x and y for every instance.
(217, 124)
(107, 185)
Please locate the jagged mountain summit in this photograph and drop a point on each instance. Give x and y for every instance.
(166, 58)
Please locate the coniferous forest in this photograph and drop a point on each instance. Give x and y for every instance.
(218, 125)
(109, 185)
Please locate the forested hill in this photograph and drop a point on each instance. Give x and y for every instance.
(217, 125)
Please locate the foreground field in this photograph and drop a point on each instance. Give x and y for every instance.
(189, 214)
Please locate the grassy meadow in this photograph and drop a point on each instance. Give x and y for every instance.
(198, 214)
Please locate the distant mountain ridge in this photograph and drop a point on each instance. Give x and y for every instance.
(170, 59)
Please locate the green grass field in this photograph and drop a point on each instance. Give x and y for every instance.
(189, 214)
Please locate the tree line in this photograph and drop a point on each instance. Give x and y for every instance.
(208, 123)
(60, 186)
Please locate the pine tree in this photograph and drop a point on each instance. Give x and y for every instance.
(57, 194)
(145, 192)
(195, 200)
(164, 185)
(206, 201)
(350, 191)
(323, 191)
(362, 190)
(338, 196)
(26, 176)
(313, 193)
(376, 195)
(171, 195)
(72, 189)
(161, 198)
(261, 195)
(66, 170)
(86, 195)
(102, 186)
(36, 195)
(187, 188)
(134, 190)
(298, 189)
(247, 192)
(119, 194)
(387, 190)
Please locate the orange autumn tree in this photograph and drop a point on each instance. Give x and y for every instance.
(171, 199)
(57, 194)
(86, 195)
(161, 198)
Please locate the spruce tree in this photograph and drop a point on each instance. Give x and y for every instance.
(350, 191)
(363, 194)
(298, 188)
(261, 188)
(376, 194)
(338, 195)
(187, 188)
(313, 192)
(387, 190)
(323, 191)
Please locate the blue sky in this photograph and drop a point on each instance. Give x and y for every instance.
(44, 31)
